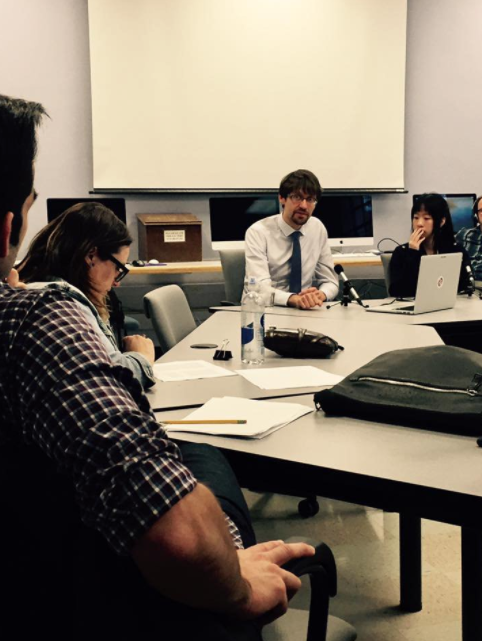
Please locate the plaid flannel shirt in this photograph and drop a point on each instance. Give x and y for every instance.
(59, 390)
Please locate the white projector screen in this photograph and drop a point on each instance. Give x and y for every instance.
(234, 94)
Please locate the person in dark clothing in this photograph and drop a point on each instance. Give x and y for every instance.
(471, 239)
(432, 233)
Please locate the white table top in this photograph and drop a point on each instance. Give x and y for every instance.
(466, 310)
(415, 472)
(375, 451)
(362, 343)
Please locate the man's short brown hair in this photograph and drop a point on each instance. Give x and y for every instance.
(300, 181)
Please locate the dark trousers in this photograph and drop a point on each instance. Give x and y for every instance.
(212, 469)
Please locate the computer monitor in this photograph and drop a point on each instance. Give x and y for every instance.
(231, 216)
(460, 206)
(56, 206)
(347, 218)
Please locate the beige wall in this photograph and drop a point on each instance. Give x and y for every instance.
(44, 56)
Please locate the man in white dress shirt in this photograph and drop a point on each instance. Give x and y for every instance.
(290, 250)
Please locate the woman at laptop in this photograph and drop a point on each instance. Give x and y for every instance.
(83, 252)
(432, 233)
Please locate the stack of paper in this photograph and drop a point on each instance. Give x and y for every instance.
(262, 417)
(289, 377)
(188, 371)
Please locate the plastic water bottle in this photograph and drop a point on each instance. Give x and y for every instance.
(252, 325)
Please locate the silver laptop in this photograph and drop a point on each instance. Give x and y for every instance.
(437, 285)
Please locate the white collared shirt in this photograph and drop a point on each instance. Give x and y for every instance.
(268, 253)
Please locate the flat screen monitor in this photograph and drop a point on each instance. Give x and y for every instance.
(56, 206)
(460, 206)
(232, 215)
(347, 218)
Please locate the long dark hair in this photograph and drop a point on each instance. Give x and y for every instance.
(59, 249)
(436, 205)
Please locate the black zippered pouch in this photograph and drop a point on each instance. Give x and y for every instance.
(300, 343)
(435, 388)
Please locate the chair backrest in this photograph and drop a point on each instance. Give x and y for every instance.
(170, 314)
(233, 264)
(386, 258)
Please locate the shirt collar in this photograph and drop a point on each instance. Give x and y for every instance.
(287, 229)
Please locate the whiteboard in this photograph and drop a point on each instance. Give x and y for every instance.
(234, 94)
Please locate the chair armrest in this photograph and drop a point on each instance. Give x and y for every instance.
(322, 571)
(323, 559)
(229, 303)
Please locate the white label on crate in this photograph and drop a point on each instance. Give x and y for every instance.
(174, 235)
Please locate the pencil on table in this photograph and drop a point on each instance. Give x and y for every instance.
(207, 422)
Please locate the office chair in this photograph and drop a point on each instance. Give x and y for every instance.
(386, 258)
(170, 314)
(315, 624)
(233, 264)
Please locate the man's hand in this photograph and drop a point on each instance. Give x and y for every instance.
(416, 239)
(271, 587)
(307, 298)
(141, 344)
(188, 555)
(13, 279)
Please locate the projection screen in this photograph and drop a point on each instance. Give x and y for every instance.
(233, 94)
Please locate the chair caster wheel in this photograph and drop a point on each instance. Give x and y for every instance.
(308, 507)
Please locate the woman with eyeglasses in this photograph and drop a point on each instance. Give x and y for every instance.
(83, 252)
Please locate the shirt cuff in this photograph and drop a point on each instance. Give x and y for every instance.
(147, 372)
(235, 535)
(329, 293)
(281, 298)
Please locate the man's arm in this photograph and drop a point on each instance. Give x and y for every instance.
(257, 264)
(188, 556)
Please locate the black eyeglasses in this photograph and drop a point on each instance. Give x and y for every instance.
(123, 270)
(298, 198)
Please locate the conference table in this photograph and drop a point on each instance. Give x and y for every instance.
(362, 343)
(414, 472)
(460, 326)
(467, 309)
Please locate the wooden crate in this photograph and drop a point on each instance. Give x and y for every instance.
(170, 238)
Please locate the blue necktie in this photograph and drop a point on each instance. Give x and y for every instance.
(295, 276)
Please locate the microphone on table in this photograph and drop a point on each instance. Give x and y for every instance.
(348, 285)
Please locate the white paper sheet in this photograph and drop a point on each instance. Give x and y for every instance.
(263, 417)
(289, 377)
(189, 371)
